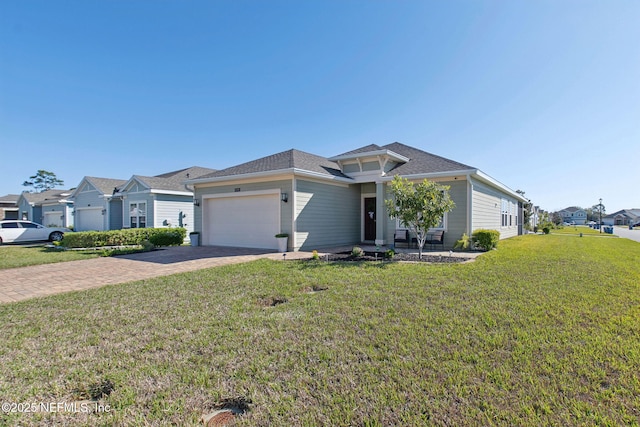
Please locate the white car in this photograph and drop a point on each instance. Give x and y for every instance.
(27, 231)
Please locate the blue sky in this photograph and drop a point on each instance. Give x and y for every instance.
(544, 96)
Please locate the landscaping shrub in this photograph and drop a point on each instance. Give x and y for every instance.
(486, 239)
(357, 252)
(463, 244)
(131, 236)
(171, 237)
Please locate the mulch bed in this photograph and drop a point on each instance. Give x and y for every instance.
(371, 256)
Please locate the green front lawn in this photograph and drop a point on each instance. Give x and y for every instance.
(18, 256)
(543, 331)
(584, 229)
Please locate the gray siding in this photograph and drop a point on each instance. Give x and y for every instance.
(368, 188)
(487, 204)
(285, 186)
(174, 211)
(457, 218)
(25, 207)
(326, 215)
(456, 223)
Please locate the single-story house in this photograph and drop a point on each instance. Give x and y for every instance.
(9, 206)
(574, 215)
(50, 207)
(622, 217)
(322, 202)
(94, 205)
(157, 201)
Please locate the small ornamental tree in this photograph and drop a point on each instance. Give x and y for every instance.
(418, 206)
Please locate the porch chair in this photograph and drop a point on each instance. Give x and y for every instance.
(402, 236)
(435, 238)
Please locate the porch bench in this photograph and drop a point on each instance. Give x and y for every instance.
(435, 238)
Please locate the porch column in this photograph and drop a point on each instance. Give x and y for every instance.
(381, 214)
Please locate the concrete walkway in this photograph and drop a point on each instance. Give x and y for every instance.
(626, 233)
(17, 284)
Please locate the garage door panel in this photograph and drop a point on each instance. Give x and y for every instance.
(246, 221)
(52, 219)
(89, 219)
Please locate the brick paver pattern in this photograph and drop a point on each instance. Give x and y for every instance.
(29, 282)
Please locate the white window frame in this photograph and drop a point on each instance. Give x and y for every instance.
(504, 213)
(138, 216)
(443, 222)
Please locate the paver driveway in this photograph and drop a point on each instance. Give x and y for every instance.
(28, 282)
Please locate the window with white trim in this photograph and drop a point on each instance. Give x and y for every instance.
(138, 215)
(504, 212)
(441, 225)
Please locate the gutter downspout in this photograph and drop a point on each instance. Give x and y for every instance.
(294, 215)
(469, 204)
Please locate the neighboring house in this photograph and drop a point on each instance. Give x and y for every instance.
(9, 206)
(50, 207)
(323, 202)
(95, 207)
(623, 217)
(573, 215)
(158, 201)
(534, 220)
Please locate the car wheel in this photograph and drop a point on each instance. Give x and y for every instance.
(56, 236)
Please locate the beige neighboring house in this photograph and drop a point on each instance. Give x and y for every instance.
(623, 217)
(9, 206)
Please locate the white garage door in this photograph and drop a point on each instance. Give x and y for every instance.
(243, 221)
(89, 219)
(52, 218)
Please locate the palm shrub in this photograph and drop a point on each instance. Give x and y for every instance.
(463, 244)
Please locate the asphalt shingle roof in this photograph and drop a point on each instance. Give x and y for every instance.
(283, 161)
(572, 209)
(48, 195)
(421, 162)
(106, 185)
(365, 149)
(173, 181)
(9, 198)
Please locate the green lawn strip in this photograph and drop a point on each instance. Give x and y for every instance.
(16, 256)
(12, 257)
(543, 331)
(576, 230)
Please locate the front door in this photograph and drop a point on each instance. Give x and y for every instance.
(370, 218)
